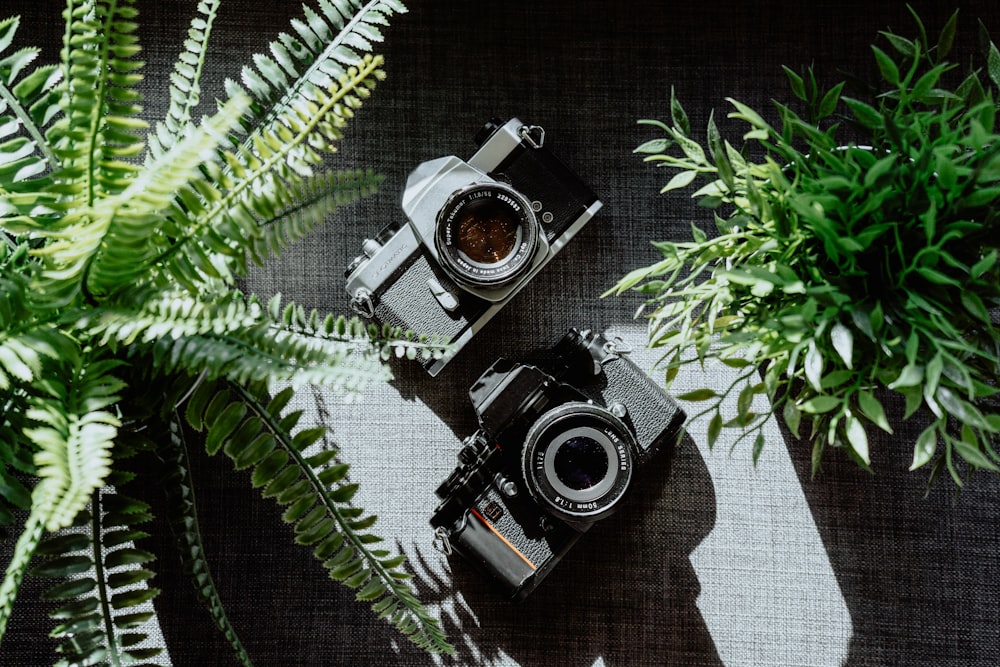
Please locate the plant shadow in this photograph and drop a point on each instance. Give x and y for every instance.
(917, 568)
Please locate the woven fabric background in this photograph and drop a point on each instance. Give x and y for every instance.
(714, 562)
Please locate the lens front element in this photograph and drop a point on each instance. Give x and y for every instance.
(578, 461)
(486, 235)
(486, 232)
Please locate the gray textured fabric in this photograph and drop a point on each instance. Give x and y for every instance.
(714, 562)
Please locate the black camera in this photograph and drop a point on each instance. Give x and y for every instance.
(478, 231)
(560, 439)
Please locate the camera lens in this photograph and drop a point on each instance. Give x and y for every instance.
(581, 463)
(486, 231)
(578, 461)
(486, 235)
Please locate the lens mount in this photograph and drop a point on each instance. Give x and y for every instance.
(486, 235)
(578, 461)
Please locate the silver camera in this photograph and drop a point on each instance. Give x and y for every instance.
(478, 231)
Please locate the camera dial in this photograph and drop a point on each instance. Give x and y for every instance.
(577, 461)
(486, 235)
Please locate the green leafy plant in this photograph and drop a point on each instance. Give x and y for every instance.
(120, 316)
(854, 258)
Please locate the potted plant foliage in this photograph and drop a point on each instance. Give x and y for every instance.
(853, 260)
(120, 315)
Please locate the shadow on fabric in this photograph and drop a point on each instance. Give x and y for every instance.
(918, 569)
(625, 593)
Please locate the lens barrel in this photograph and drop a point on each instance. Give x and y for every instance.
(486, 235)
(578, 461)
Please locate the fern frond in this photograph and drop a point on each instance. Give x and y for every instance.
(184, 523)
(226, 207)
(326, 111)
(185, 82)
(103, 592)
(303, 65)
(28, 106)
(24, 550)
(28, 349)
(154, 315)
(23, 347)
(230, 336)
(313, 486)
(98, 138)
(297, 210)
(74, 435)
(260, 354)
(385, 342)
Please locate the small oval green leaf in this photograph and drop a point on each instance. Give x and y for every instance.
(820, 404)
(923, 450)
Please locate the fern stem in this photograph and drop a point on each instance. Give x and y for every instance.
(102, 580)
(267, 166)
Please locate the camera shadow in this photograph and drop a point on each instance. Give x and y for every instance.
(625, 593)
